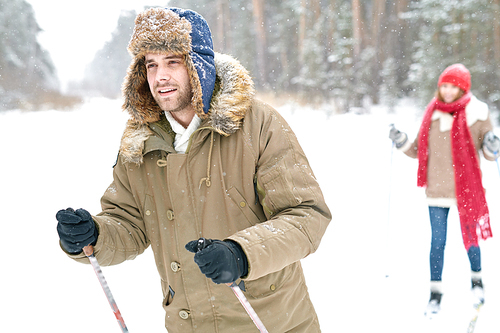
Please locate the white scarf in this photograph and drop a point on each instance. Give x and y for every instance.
(182, 134)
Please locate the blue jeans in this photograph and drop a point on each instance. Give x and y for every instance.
(439, 219)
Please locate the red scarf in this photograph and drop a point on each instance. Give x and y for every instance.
(471, 201)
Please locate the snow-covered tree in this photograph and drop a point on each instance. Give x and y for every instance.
(104, 75)
(27, 73)
(455, 31)
(342, 51)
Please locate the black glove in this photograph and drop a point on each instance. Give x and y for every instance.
(221, 261)
(491, 142)
(76, 229)
(399, 138)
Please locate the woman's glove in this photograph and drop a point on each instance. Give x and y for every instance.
(399, 138)
(491, 142)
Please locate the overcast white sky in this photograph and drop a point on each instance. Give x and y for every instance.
(74, 31)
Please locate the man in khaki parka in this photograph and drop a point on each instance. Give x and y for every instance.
(201, 157)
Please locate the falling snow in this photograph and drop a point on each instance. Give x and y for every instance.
(380, 227)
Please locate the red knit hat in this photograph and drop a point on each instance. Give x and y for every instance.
(457, 75)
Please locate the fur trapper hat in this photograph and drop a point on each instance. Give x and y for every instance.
(169, 30)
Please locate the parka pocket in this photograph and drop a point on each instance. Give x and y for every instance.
(279, 189)
(271, 283)
(169, 294)
(244, 206)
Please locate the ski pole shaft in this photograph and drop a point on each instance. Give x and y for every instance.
(390, 185)
(496, 160)
(389, 206)
(203, 243)
(89, 252)
(248, 308)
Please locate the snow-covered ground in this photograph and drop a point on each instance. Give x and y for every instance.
(370, 273)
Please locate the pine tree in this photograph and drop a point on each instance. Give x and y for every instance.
(27, 72)
(104, 75)
(454, 32)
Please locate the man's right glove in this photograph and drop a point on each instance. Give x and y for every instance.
(399, 138)
(76, 229)
(221, 261)
(491, 142)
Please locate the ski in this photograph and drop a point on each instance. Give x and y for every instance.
(473, 321)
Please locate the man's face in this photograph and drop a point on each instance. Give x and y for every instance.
(169, 82)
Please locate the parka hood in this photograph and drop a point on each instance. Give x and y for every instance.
(232, 98)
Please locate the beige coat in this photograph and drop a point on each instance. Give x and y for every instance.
(440, 189)
(254, 186)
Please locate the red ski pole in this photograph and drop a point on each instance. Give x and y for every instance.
(89, 252)
(250, 311)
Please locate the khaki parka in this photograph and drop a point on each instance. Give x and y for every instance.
(252, 184)
(440, 188)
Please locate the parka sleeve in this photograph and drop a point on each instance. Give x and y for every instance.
(122, 233)
(292, 201)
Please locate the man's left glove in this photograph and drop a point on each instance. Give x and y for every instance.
(76, 229)
(221, 261)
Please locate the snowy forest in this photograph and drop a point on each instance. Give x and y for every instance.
(28, 77)
(346, 53)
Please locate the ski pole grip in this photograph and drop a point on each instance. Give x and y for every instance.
(203, 243)
(88, 250)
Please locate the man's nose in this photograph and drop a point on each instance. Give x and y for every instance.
(163, 74)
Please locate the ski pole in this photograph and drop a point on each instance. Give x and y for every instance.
(203, 243)
(496, 160)
(390, 180)
(389, 209)
(89, 252)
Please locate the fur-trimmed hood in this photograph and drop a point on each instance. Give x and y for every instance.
(231, 99)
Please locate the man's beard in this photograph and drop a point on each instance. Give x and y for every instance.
(182, 101)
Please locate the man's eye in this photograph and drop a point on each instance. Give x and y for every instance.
(148, 66)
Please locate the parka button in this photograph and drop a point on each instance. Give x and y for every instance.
(148, 212)
(272, 287)
(243, 204)
(184, 314)
(170, 215)
(175, 266)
